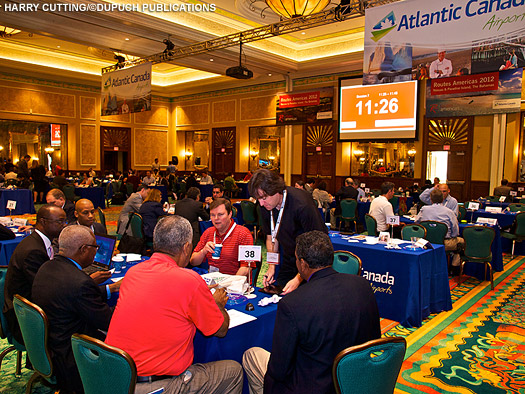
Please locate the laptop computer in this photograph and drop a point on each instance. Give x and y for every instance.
(102, 261)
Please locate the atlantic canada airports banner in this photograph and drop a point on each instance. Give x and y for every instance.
(419, 39)
(127, 90)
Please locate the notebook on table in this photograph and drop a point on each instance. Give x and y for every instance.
(102, 261)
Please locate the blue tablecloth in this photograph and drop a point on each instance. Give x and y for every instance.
(94, 194)
(505, 219)
(408, 285)
(7, 248)
(206, 191)
(362, 210)
(23, 198)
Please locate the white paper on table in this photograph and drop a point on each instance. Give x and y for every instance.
(371, 240)
(115, 280)
(133, 257)
(19, 234)
(237, 318)
(397, 241)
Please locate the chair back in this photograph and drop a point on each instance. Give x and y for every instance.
(129, 188)
(522, 201)
(249, 212)
(492, 198)
(103, 369)
(4, 327)
(69, 191)
(34, 327)
(413, 230)
(369, 368)
(348, 209)
(347, 262)
(478, 241)
(102, 217)
(520, 224)
(234, 212)
(462, 213)
(436, 231)
(516, 207)
(371, 225)
(394, 201)
(136, 224)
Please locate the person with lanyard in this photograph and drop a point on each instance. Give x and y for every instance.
(288, 212)
(224, 232)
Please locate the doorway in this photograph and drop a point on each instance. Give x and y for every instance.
(437, 165)
(115, 160)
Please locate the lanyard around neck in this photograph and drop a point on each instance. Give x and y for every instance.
(227, 234)
(275, 227)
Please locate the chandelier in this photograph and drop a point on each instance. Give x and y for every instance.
(293, 8)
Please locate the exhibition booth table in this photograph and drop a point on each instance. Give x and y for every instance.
(23, 198)
(409, 284)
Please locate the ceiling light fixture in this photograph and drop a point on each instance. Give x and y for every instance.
(294, 8)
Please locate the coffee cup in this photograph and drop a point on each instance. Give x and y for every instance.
(217, 252)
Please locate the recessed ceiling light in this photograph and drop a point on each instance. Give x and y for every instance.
(211, 60)
(58, 46)
(303, 33)
(269, 74)
(127, 39)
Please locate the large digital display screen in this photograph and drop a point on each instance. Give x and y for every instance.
(377, 112)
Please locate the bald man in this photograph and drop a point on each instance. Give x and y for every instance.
(72, 301)
(33, 251)
(85, 214)
(448, 201)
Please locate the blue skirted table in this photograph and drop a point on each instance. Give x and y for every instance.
(7, 248)
(23, 198)
(94, 194)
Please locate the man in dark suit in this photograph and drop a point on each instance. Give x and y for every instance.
(329, 313)
(23, 168)
(504, 189)
(191, 208)
(72, 301)
(347, 191)
(29, 255)
(85, 216)
(59, 180)
(132, 204)
(58, 198)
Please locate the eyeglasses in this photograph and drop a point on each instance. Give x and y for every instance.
(59, 221)
(93, 246)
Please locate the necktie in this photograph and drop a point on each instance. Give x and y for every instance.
(50, 252)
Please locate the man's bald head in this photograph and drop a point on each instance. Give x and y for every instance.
(85, 212)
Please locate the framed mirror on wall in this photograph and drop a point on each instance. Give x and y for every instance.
(392, 159)
(197, 153)
(45, 142)
(265, 147)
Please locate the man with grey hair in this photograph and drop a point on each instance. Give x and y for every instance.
(71, 300)
(160, 299)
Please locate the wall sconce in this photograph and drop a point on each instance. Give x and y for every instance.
(188, 154)
(253, 153)
(49, 150)
(1, 148)
(358, 153)
(272, 158)
(411, 152)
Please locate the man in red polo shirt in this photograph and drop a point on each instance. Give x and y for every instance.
(226, 232)
(160, 307)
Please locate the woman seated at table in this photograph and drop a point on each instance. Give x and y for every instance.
(322, 196)
(86, 180)
(150, 210)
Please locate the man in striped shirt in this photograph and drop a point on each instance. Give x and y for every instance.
(227, 233)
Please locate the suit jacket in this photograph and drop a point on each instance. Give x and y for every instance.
(502, 190)
(150, 211)
(132, 204)
(26, 260)
(192, 210)
(73, 304)
(344, 192)
(69, 209)
(329, 313)
(60, 181)
(98, 228)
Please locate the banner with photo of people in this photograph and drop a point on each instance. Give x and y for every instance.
(417, 39)
(126, 91)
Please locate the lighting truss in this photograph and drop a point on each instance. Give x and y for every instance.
(355, 9)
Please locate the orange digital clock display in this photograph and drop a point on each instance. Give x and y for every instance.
(384, 111)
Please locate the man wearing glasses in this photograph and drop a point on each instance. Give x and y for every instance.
(71, 300)
(33, 251)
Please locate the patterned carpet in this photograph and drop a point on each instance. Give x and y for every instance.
(477, 347)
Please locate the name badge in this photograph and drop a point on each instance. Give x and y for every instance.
(513, 193)
(520, 189)
(392, 220)
(367, 190)
(493, 209)
(11, 204)
(502, 199)
(272, 258)
(362, 185)
(249, 253)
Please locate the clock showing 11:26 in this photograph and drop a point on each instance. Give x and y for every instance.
(376, 110)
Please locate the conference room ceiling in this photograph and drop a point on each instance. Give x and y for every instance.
(77, 45)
